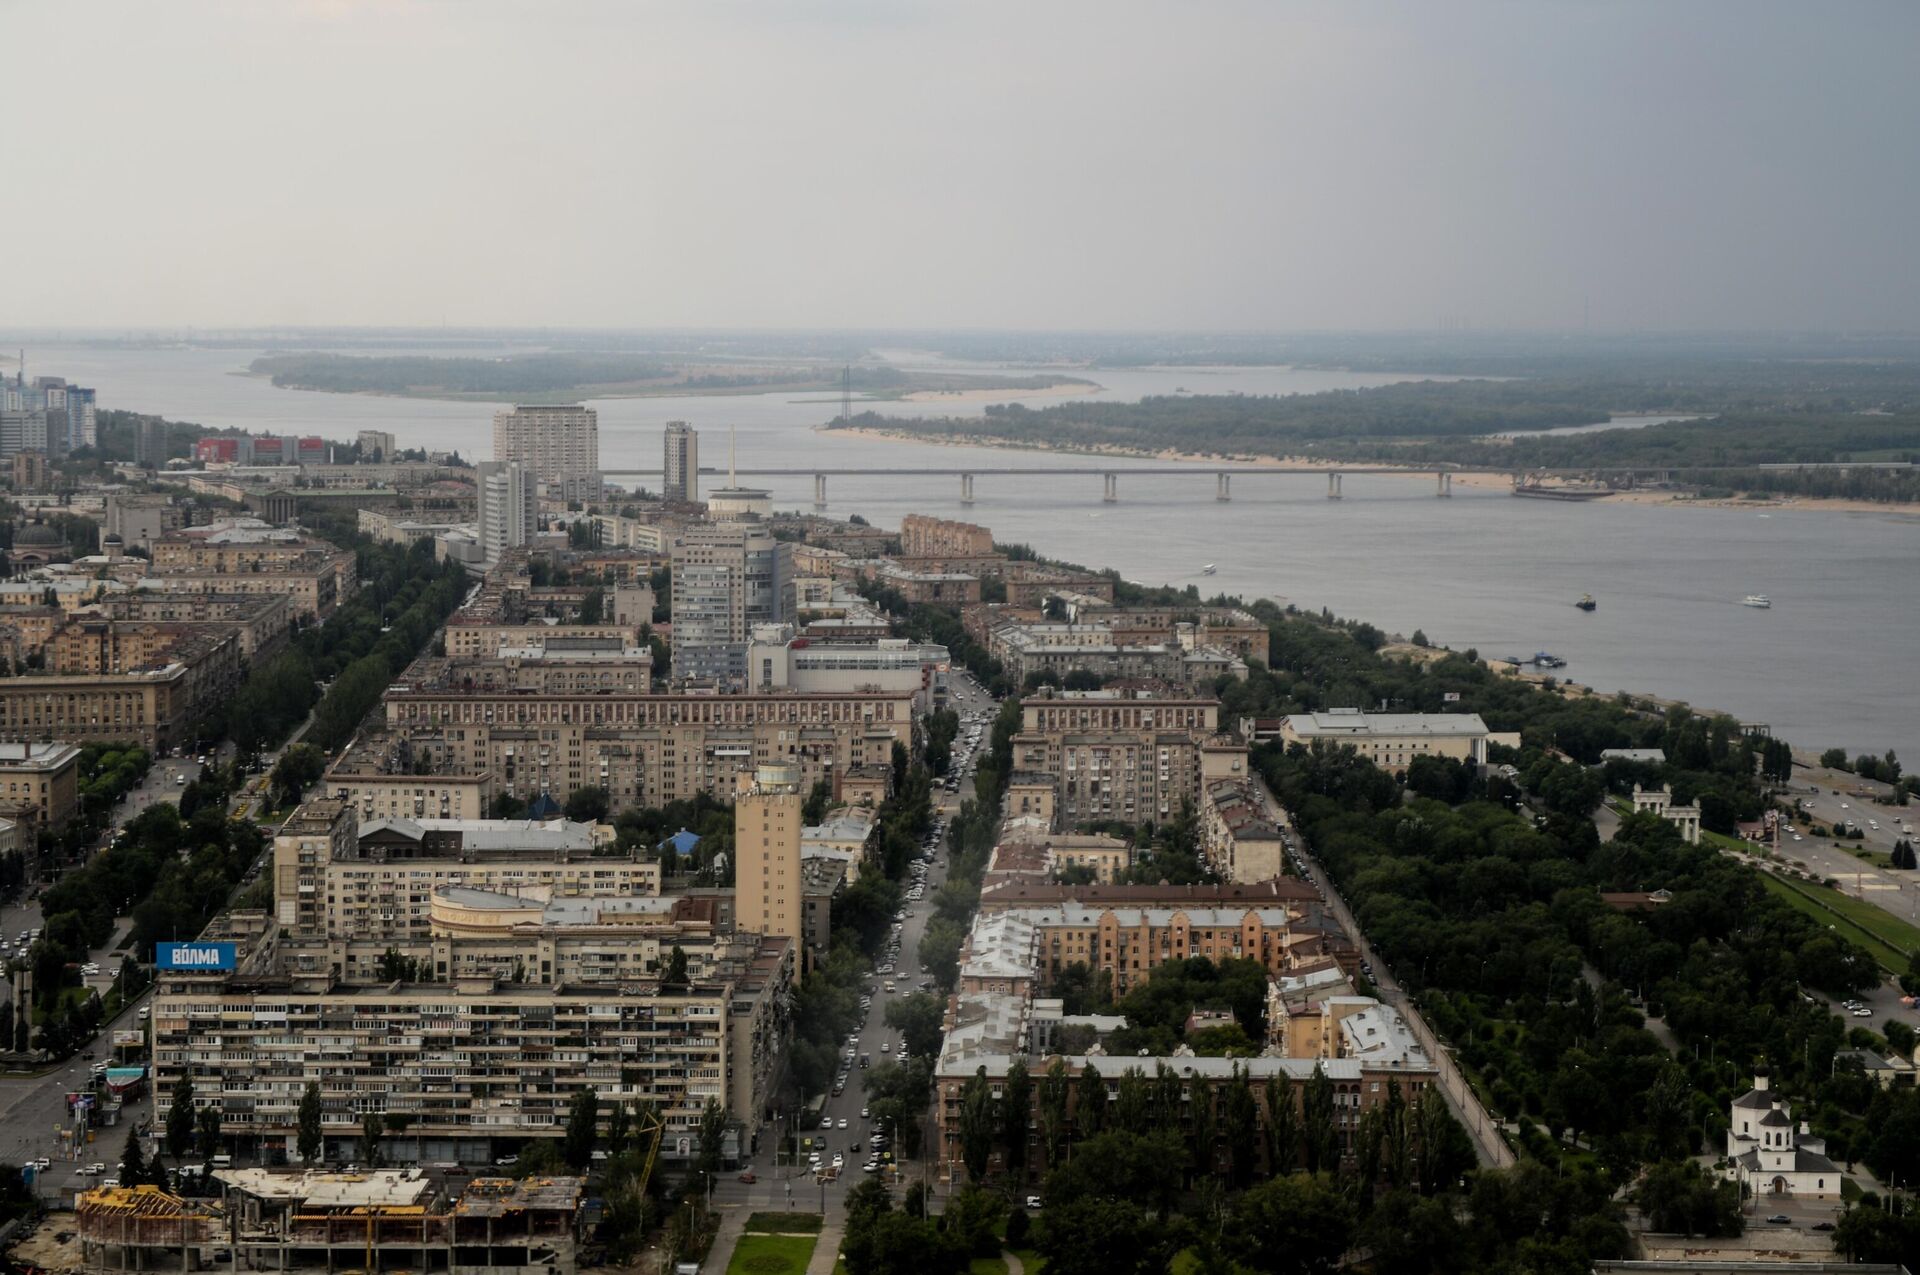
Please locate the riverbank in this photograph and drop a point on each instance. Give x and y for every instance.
(679, 389)
(1479, 479)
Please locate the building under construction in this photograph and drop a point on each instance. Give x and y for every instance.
(358, 1223)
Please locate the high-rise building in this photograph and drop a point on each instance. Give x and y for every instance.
(766, 844)
(725, 581)
(680, 468)
(506, 507)
(150, 442)
(559, 444)
(376, 445)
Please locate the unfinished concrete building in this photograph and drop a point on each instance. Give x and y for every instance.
(377, 1221)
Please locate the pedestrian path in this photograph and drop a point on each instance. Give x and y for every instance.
(827, 1251)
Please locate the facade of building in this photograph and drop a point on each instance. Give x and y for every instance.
(768, 898)
(1238, 834)
(1769, 1154)
(507, 507)
(139, 520)
(925, 537)
(559, 444)
(376, 445)
(726, 580)
(156, 707)
(39, 782)
(644, 749)
(1116, 757)
(1391, 740)
(680, 466)
(1659, 801)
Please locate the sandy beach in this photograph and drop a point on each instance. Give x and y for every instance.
(1485, 479)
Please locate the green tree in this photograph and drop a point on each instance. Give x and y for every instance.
(977, 1125)
(1016, 1113)
(1319, 1136)
(583, 1129)
(207, 1134)
(1681, 1197)
(180, 1118)
(133, 1162)
(587, 805)
(918, 1018)
(373, 1127)
(676, 974)
(1282, 1127)
(1055, 1088)
(1295, 1225)
(713, 1129)
(311, 1138)
(1240, 1118)
(1103, 1236)
(1090, 1099)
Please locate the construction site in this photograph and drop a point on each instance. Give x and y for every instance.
(359, 1223)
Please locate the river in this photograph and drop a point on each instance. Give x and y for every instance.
(1826, 666)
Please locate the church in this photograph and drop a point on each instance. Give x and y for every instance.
(1772, 1156)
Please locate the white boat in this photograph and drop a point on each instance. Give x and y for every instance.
(1758, 600)
(1207, 570)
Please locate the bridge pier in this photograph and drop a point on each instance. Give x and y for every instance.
(819, 491)
(1445, 483)
(966, 489)
(1112, 493)
(1223, 486)
(1333, 485)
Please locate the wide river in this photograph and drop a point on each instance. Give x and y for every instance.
(1826, 666)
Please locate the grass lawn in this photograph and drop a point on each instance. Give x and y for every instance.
(783, 1224)
(987, 1266)
(1031, 1259)
(772, 1255)
(1847, 916)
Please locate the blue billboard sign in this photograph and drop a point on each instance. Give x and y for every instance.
(212, 957)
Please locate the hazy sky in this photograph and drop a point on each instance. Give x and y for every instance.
(805, 163)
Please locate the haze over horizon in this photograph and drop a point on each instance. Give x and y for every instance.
(863, 164)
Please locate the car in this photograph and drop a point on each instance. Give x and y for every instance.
(864, 1115)
(1863, 1012)
(505, 1160)
(826, 1122)
(93, 1170)
(1780, 1219)
(843, 1122)
(838, 1160)
(109, 1184)
(1823, 1226)
(43, 1163)
(1845, 806)
(1033, 1201)
(871, 1166)
(748, 1178)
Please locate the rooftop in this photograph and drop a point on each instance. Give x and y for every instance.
(1351, 722)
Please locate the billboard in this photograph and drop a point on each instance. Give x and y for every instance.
(129, 1039)
(194, 956)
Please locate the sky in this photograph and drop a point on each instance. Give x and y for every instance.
(1200, 164)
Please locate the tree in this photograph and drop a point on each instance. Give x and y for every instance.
(972, 1219)
(133, 1163)
(977, 1130)
(1835, 759)
(1319, 1137)
(1055, 1086)
(583, 1129)
(311, 1139)
(373, 1127)
(1090, 1098)
(1283, 1127)
(676, 975)
(180, 1118)
(919, 1018)
(587, 805)
(1296, 1225)
(1240, 1115)
(1016, 1103)
(713, 1129)
(207, 1140)
(1096, 1236)
(1681, 1197)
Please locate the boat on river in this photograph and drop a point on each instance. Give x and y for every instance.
(1758, 601)
(1586, 602)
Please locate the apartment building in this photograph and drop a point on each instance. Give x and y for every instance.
(260, 622)
(507, 508)
(39, 782)
(1391, 740)
(1239, 833)
(680, 464)
(560, 445)
(768, 897)
(925, 537)
(1000, 1012)
(387, 777)
(1116, 756)
(333, 875)
(726, 580)
(156, 706)
(778, 660)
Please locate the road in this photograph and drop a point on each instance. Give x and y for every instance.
(787, 1186)
(1830, 798)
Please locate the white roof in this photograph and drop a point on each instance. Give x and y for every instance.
(1345, 723)
(331, 1190)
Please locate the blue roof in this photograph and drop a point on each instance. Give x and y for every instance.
(682, 842)
(543, 807)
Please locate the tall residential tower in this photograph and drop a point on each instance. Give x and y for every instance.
(680, 468)
(560, 445)
(766, 845)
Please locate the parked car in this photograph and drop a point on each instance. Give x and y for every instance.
(1780, 1219)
